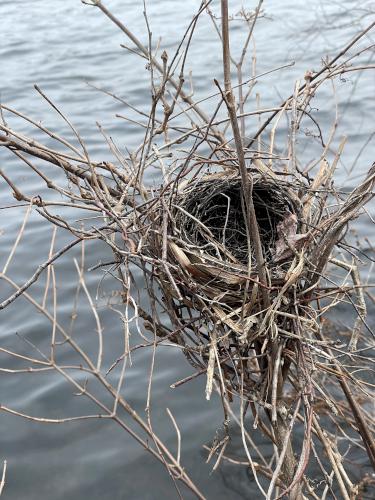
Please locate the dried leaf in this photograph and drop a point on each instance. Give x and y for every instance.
(287, 238)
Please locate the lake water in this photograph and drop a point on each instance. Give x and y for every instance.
(62, 46)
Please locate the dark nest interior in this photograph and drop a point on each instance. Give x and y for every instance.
(210, 217)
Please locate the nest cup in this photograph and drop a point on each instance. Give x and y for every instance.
(208, 241)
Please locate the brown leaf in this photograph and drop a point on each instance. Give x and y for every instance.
(287, 238)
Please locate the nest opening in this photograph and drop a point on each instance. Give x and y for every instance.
(212, 219)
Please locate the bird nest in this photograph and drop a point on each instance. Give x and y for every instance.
(209, 265)
(203, 258)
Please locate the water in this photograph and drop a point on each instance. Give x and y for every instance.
(61, 46)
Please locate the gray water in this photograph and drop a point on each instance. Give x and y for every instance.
(62, 45)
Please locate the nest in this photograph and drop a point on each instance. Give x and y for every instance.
(203, 259)
(211, 266)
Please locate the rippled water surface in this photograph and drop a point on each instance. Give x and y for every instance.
(63, 46)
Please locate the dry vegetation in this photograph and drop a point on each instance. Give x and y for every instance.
(237, 248)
